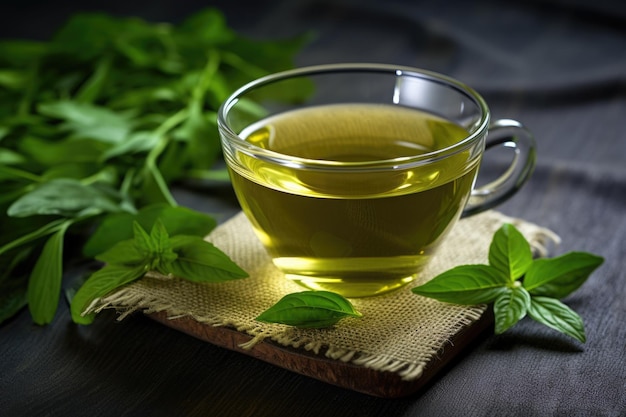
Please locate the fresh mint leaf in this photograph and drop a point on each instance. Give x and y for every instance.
(465, 284)
(136, 143)
(125, 253)
(164, 254)
(99, 284)
(44, 285)
(509, 252)
(159, 236)
(52, 153)
(119, 226)
(510, 307)
(560, 276)
(188, 257)
(558, 316)
(9, 157)
(64, 197)
(93, 87)
(143, 241)
(201, 261)
(518, 285)
(309, 309)
(84, 120)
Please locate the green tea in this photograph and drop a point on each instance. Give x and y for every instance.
(364, 231)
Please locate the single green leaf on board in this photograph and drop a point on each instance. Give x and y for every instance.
(63, 197)
(465, 284)
(309, 309)
(560, 276)
(558, 316)
(99, 284)
(510, 307)
(44, 285)
(510, 252)
(118, 227)
(201, 261)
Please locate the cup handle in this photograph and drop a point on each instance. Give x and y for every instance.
(512, 135)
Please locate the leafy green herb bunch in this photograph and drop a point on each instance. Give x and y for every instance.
(101, 120)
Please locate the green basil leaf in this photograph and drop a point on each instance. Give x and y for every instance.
(154, 188)
(91, 89)
(99, 284)
(159, 236)
(52, 153)
(200, 133)
(63, 197)
(86, 120)
(510, 252)
(126, 253)
(201, 261)
(119, 226)
(137, 142)
(86, 36)
(558, 316)
(10, 157)
(560, 276)
(143, 241)
(309, 309)
(465, 284)
(161, 240)
(510, 307)
(44, 285)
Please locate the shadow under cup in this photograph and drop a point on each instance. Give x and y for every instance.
(353, 174)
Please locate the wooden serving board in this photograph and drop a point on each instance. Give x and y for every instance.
(318, 366)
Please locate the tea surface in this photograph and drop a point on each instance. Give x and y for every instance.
(361, 232)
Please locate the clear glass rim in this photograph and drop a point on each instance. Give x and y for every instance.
(396, 163)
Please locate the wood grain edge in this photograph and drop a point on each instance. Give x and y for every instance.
(346, 375)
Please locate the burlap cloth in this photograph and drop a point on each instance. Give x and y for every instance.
(399, 331)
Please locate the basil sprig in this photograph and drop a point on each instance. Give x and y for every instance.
(517, 284)
(184, 256)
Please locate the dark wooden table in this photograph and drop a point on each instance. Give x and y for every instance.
(558, 66)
